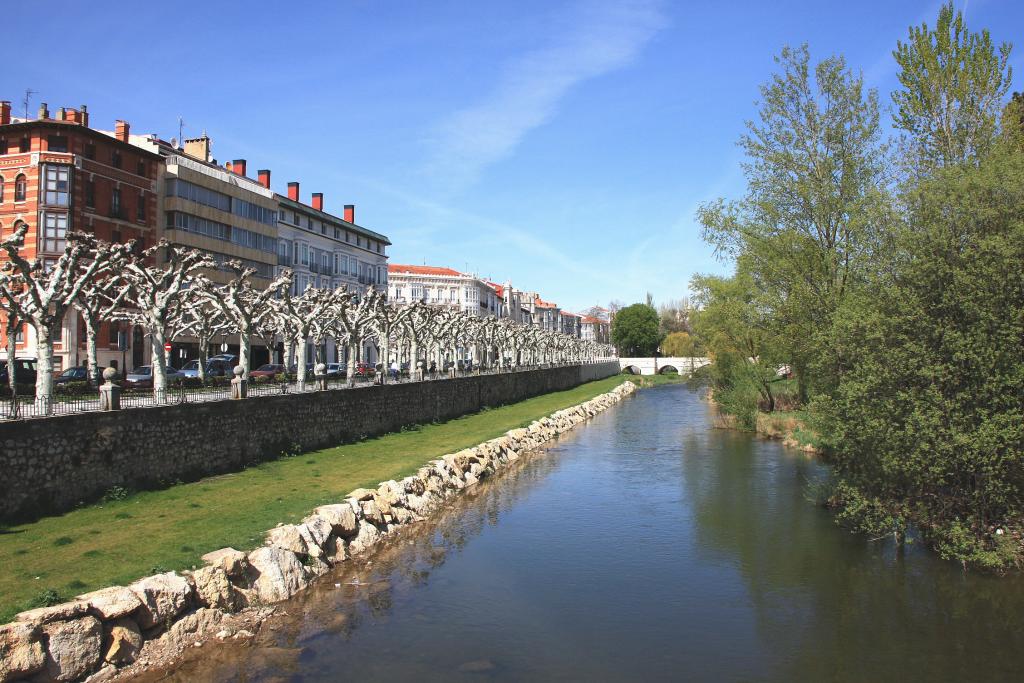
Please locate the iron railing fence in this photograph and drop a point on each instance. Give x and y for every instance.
(87, 399)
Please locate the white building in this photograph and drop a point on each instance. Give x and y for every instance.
(443, 287)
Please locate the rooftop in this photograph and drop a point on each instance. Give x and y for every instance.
(398, 268)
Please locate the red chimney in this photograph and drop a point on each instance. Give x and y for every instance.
(5, 113)
(121, 129)
(318, 201)
(293, 191)
(264, 177)
(238, 166)
(350, 213)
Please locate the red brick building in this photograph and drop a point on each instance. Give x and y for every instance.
(56, 175)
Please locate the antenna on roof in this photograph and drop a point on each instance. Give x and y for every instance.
(181, 129)
(29, 92)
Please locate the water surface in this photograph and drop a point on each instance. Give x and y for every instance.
(645, 545)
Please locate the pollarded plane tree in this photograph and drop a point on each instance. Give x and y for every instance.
(243, 304)
(294, 317)
(153, 296)
(354, 318)
(417, 327)
(388, 323)
(322, 308)
(41, 293)
(100, 299)
(12, 326)
(195, 316)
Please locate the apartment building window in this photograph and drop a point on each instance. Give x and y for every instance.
(3, 145)
(417, 292)
(115, 159)
(56, 143)
(342, 264)
(325, 261)
(90, 151)
(140, 207)
(90, 194)
(1, 189)
(337, 234)
(20, 187)
(55, 230)
(198, 194)
(57, 184)
(295, 218)
(115, 203)
(141, 167)
(24, 145)
(304, 254)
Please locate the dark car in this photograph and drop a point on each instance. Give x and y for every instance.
(78, 373)
(24, 371)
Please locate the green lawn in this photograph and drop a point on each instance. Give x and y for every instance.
(56, 558)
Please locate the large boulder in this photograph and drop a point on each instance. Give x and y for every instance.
(74, 648)
(371, 511)
(21, 652)
(278, 574)
(288, 537)
(361, 494)
(195, 627)
(214, 589)
(317, 528)
(163, 597)
(233, 562)
(368, 535)
(123, 641)
(392, 493)
(62, 612)
(112, 603)
(341, 517)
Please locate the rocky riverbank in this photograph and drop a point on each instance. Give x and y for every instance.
(118, 631)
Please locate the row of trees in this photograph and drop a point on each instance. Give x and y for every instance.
(886, 274)
(162, 289)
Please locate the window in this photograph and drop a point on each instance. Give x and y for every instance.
(295, 218)
(115, 203)
(20, 185)
(198, 194)
(309, 223)
(115, 159)
(24, 145)
(3, 145)
(90, 194)
(140, 169)
(90, 151)
(305, 254)
(56, 143)
(140, 207)
(295, 253)
(253, 212)
(55, 228)
(337, 234)
(1, 189)
(57, 184)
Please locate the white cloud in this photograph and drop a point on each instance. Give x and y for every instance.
(603, 37)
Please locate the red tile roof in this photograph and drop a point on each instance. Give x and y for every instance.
(421, 270)
(591, 320)
(498, 288)
(540, 303)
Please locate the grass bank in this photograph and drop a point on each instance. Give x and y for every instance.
(117, 541)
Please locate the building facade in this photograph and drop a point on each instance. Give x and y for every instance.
(438, 286)
(57, 174)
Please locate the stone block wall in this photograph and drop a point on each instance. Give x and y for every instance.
(53, 464)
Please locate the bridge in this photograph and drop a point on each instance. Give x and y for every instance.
(646, 366)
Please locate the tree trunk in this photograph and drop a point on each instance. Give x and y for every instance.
(158, 364)
(44, 370)
(350, 367)
(12, 348)
(91, 357)
(414, 350)
(204, 352)
(385, 360)
(245, 349)
(300, 364)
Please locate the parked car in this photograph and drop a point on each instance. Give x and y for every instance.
(214, 368)
(24, 371)
(365, 370)
(268, 370)
(335, 370)
(228, 358)
(76, 374)
(142, 377)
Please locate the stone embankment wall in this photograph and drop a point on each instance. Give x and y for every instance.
(111, 628)
(53, 464)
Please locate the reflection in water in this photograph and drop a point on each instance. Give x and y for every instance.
(646, 545)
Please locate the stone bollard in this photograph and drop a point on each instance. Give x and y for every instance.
(320, 371)
(239, 386)
(451, 372)
(110, 393)
(418, 374)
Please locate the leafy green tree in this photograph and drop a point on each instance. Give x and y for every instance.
(929, 418)
(954, 84)
(816, 173)
(736, 328)
(635, 331)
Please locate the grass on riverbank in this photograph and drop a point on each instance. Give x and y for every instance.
(654, 380)
(791, 427)
(55, 558)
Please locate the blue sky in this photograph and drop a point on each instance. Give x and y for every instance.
(562, 146)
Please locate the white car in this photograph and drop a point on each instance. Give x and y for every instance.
(142, 377)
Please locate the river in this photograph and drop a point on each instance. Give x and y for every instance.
(645, 545)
